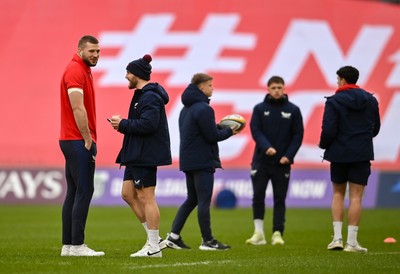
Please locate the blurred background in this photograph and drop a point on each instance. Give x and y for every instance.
(241, 43)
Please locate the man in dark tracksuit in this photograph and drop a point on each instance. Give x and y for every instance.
(277, 129)
(198, 158)
(146, 146)
(351, 119)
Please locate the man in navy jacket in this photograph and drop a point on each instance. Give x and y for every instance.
(198, 159)
(146, 146)
(351, 119)
(277, 129)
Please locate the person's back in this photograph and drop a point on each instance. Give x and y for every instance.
(348, 134)
(198, 132)
(198, 159)
(350, 121)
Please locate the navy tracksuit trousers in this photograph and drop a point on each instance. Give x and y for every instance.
(200, 184)
(79, 173)
(279, 176)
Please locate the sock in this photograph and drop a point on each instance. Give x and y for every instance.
(337, 230)
(174, 236)
(147, 230)
(352, 231)
(145, 227)
(153, 239)
(259, 226)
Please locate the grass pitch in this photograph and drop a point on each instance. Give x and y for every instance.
(30, 243)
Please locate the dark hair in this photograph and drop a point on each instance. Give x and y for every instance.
(348, 73)
(199, 78)
(85, 39)
(275, 80)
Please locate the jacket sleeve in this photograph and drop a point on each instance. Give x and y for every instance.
(329, 125)
(256, 131)
(377, 123)
(297, 132)
(209, 129)
(149, 119)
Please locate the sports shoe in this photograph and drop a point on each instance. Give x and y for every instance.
(161, 243)
(84, 250)
(213, 245)
(277, 238)
(147, 252)
(335, 244)
(354, 248)
(65, 250)
(257, 239)
(175, 244)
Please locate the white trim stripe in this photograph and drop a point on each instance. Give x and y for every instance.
(70, 90)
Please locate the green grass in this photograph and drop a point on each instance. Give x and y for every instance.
(30, 243)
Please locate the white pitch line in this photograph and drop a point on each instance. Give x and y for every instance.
(178, 264)
(383, 253)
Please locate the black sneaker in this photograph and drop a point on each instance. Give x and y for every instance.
(213, 245)
(175, 244)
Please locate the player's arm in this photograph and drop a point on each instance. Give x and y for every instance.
(79, 111)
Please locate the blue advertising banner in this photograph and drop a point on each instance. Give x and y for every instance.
(307, 188)
(389, 190)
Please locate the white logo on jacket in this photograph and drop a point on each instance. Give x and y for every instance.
(286, 115)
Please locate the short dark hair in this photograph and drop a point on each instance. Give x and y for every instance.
(199, 78)
(275, 80)
(85, 39)
(348, 73)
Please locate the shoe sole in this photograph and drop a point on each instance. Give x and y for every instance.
(256, 243)
(335, 247)
(158, 255)
(80, 255)
(277, 243)
(204, 248)
(355, 250)
(172, 245)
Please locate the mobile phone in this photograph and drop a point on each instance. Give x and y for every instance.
(108, 119)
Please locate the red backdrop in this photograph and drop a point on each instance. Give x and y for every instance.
(241, 43)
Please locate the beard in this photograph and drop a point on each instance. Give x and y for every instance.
(88, 62)
(133, 83)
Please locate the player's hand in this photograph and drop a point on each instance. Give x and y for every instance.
(270, 151)
(115, 120)
(284, 160)
(88, 143)
(234, 129)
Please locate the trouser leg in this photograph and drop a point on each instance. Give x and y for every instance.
(280, 184)
(187, 207)
(204, 183)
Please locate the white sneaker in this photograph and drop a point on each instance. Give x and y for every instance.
(354, 248)
(335, 244)
(147, 252)
(84, 250)
(65, 250)
(161, 244)
(257, 239)
(277, 238)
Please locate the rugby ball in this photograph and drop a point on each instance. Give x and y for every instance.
(233, 120)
